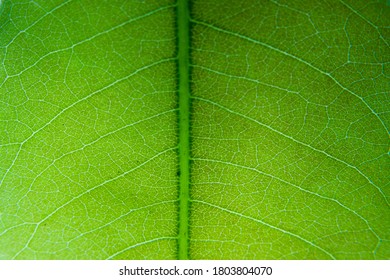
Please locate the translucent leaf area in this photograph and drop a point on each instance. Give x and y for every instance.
(288, 117)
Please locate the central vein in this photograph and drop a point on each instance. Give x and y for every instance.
(183, 34)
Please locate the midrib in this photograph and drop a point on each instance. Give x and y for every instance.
(183, 46)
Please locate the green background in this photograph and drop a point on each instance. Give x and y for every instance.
(204, 130)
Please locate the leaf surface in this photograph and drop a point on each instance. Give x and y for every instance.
(210, 129)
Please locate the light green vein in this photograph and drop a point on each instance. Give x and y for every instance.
(301, 189)
(46, 13)
(268, 225)
(140, 244)
(213, 27)
(131, 211)
(85, 41)
(74, 104)
(75, 198)
(92, 143)
(366, 20)
(253, 81)
(294, 140)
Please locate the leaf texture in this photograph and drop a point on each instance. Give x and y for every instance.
(254, 129)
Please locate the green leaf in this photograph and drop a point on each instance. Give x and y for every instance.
(210, 129)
